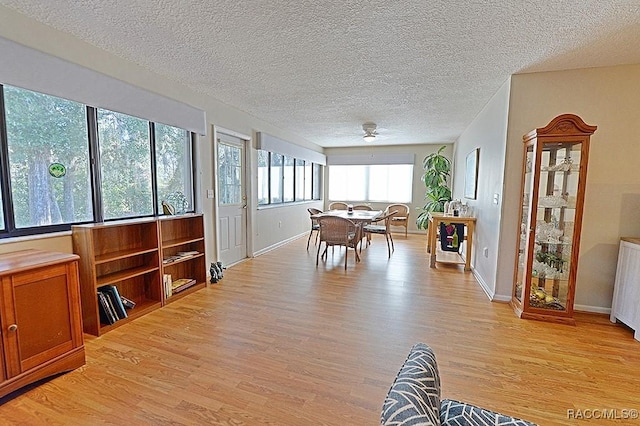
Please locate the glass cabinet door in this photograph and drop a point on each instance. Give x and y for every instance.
(521, 275)
(555, 218)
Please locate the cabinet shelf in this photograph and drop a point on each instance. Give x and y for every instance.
(124, 275)
(122, 254)
(180, 242)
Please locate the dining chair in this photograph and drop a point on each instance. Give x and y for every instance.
(338, 205)
(402, 218)
(338, 231)
(384, 229)
(315, 226)
(362, 207)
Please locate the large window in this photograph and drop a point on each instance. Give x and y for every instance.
(52, 179)
(48, 157)
(285, 179)
(376, 183)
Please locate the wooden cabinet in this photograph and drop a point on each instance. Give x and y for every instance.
(40, 319)
(125, 254)
(182, 249)
(626, 293)
(553, 186)
(128, 254)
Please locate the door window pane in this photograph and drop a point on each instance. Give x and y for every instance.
(229, 174)
(276, 178)
(125, 165)
(263, 177)
(49, 159)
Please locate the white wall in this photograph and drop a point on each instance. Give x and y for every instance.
(488, 131)
(30, 33)
(609, 98)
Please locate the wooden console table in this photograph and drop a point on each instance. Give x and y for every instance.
(435, 218)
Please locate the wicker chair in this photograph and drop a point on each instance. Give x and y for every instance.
(315, 226)
(384, 229)
(402, 218)
(338, 231)
(338, 205)
(362, 207)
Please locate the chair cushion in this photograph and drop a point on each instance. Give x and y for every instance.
(456, 413)
(414, 397)
(375, 229)
(398, 218)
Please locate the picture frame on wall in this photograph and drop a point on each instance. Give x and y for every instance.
(471, 175)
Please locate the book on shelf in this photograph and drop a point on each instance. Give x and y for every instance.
(111, 291)
(181, 284)
(187, 253)
(127, 303)
(166, 285)
(107, 315)
(179, 256)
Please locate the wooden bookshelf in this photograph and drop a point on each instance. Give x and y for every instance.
(183, 233)
(125, 254)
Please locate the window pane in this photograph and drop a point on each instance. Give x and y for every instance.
(1, 209)
(174, 168)
(390, 183)
(276, 178)
(347, 183)
(125, 165)
(307, 181)
(288, 179)
(299, 180)
(49, 159)
(263, 177)
(317, 179)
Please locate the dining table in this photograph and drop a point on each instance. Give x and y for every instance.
(359, 217)
(356, 216)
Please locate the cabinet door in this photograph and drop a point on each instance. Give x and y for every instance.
(627, 285)
(40, 316)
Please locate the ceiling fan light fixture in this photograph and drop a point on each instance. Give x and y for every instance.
(369, 132)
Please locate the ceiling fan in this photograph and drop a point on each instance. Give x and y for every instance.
(369, 132)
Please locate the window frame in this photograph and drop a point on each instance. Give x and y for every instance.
(97, 196)
(316, 168)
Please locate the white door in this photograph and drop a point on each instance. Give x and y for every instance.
(232, 200)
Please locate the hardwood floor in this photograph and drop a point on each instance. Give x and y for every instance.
(280, 342)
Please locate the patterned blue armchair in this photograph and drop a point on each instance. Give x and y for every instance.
(414, 398)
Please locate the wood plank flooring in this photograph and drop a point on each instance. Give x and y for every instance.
(280, 342)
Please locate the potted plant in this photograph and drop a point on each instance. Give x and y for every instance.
(437, 169)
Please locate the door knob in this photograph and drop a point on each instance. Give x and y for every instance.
(13, 327)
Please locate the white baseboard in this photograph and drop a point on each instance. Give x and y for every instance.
(594, 309)
(279, 244)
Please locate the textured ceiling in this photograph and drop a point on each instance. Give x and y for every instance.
(422, 70)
